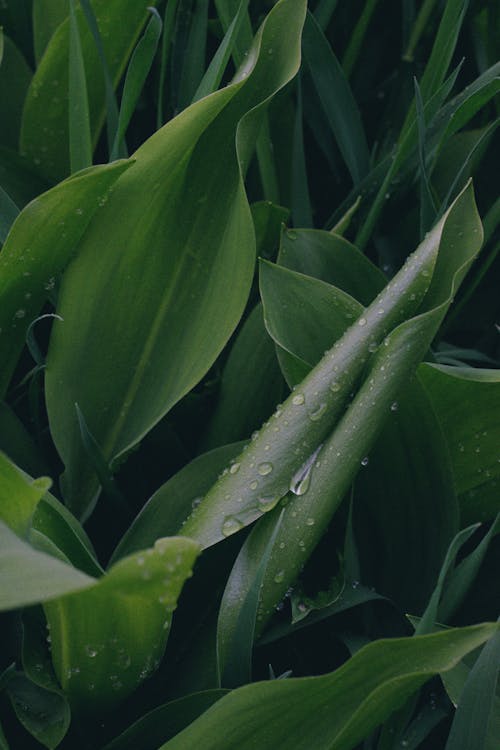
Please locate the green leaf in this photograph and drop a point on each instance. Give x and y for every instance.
(47, 16)
(337, 100)
(172, 503)
(300, 200)
(296, 713)
(138, 69)
(251, 385)
(213, 75)
(108, 639)
(470, 728)
(19, 497)
(305, 420)
(44, 714)
(39, 246)
(45, 126)
(454, 682)
(192, 54)
(29, 577)
(466, 402)
(8, 214)
(165, 722)
(124, 325)
(80, 146)
(17, 444)
(236, 625)
(15, 77)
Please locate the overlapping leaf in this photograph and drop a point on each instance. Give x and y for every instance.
(166, 267)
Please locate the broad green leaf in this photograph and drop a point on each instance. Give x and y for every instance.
(80, 145)
(138, 69)
(29, 577)
(39, 246)
(337, 100)
(476, 705)
(44, 714)
(18, 496)
(108, 639)
(45, 125)
(332, 259)
(165, 722)
(251, 385)
(124, 317)
(466, 402)
(15, 77)
(172, 503)
(302, 425)
(297, 713)
(47, 16)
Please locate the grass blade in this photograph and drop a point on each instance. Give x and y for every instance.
(357, 37)
(111, 105)
(168, 29)
(80, 141)
(137, 72)
(8, 214)
(427, 205)
(337, 100)
(469, 730)
(213, 75)
(301, 202)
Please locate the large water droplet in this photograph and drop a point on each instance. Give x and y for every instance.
(298, 400)
(234, 468)
(231, 526)
(265, 468)
(299, 484)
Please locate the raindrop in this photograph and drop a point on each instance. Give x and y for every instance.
(292, 235)
(364, 461)
(196, 502)
(231, 526)
(234, 468)
(20, 314)
(268, 503)
(316, 415)
(335, 386)
(264, 469)
(254, 485)
(298, 399)
(309, 521)
(362, 322)
(373, 347)
(394, 406)
(91, 651)
(279, 577)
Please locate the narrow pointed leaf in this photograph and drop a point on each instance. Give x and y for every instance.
(80, 146)
(47, 16)
(19, 497)
(304, 422)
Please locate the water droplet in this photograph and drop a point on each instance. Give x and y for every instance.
(268, 503)
(20, 313)
(302, 607)
(292, 235)
(254, 485)
(362, 322)
(335, 386)
(373, 347)
(316, 415)
(231, 526)
(91, 651)
(279, 577)
(380, 311)
(298, 399)
(365, 461)
(394, 406)
(265, 468)
(355, 584)
(299, 483)
(196, 502)
(79, 211)
(426, 273)
(310, 521)
(234, 468)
